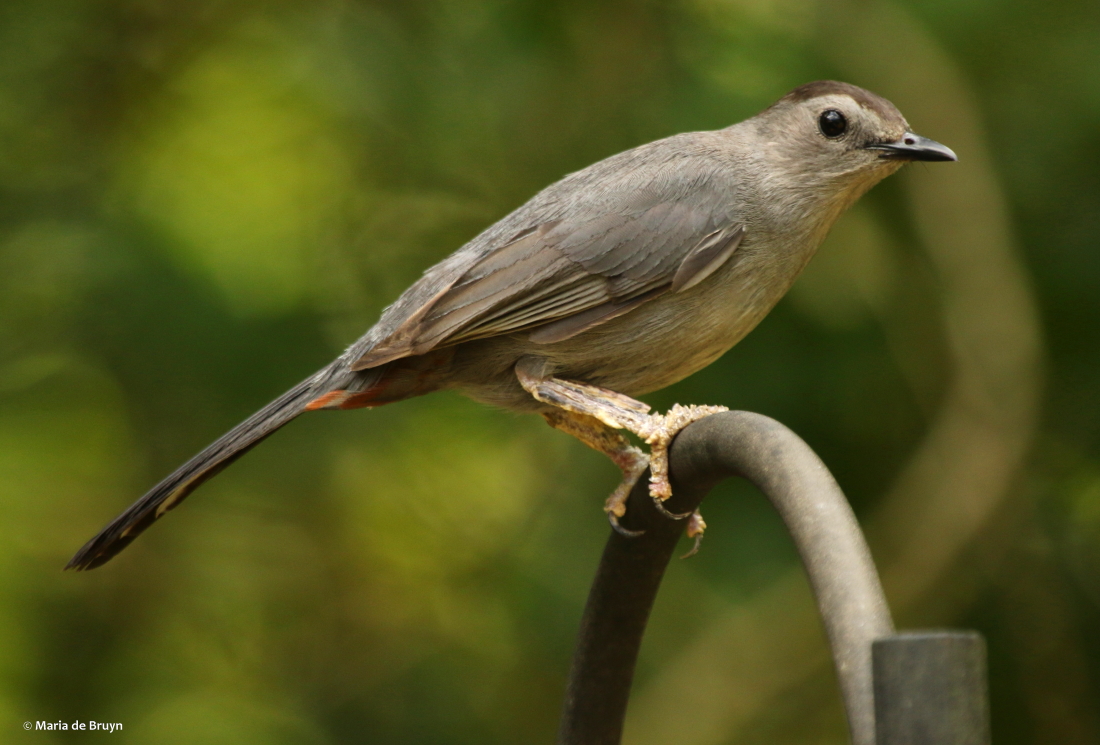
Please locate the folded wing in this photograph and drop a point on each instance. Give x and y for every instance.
(559, 278)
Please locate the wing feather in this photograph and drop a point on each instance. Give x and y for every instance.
(581, 296)
(567, 328)
(705, 258)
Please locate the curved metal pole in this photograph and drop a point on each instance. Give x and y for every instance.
(821, 523)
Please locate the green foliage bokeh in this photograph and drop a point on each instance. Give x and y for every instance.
(203, 202)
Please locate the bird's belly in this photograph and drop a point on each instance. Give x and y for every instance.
(664, 344)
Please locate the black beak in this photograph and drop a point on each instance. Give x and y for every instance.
(914, 147)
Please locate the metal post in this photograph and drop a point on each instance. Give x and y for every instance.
(930, 689)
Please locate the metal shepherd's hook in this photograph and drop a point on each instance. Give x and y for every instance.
(928, 688)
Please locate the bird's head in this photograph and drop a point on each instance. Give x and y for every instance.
(841, 128)
(834, 141)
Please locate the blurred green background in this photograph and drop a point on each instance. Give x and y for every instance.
(202, 202)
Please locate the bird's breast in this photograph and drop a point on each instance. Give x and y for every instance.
(677, 334)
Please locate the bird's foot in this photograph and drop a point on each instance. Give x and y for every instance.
(598, 436)
(695, 527)
(658, 430)
(592, 414)
(633, 463)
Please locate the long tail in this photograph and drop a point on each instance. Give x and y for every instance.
(171, 491)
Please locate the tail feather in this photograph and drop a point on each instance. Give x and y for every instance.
(171, 491)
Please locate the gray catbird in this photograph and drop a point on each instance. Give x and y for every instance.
(617, 280)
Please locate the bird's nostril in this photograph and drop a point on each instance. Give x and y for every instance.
(910, 141)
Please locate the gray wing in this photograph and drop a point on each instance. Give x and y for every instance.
(561, 277)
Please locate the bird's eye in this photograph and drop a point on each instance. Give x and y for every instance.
(832, 123)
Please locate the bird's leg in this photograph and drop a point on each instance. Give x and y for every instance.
(598, 436)
(615, 411)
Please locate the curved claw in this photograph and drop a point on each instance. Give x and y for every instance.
(660, 505)
(695, 547)
(624, 532)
